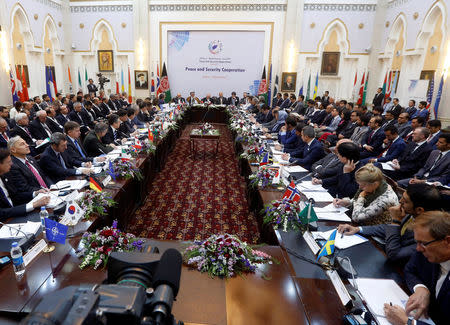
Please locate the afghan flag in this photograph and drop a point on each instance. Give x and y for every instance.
(361, 90)
(130, 98)
(262, 90)
(365, 89)
(308, 89)
(94, 184)
(164, 86)
(384, 85)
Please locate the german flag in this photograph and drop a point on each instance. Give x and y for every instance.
(94, 184)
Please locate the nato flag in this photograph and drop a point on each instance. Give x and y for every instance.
(55, 231)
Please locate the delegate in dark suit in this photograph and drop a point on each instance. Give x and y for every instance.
(398, 246)
(94, 147)
(62, 119)
(341, 184)
(23, 134)
(38, 131)
(394, 151)
(410, 161)
(374, 139)
(16, 210)
(54, 125)
(73, 155)
(420, 271)
(378, 100)
(109, 137)
(3, 140)
(233, 101)
(311, 153)
(328, 166)
(53, 167)
(23, 178)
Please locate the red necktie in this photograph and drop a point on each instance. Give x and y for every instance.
(5, 136)
(36, 174)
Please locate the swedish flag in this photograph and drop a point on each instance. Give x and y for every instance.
(328, 248)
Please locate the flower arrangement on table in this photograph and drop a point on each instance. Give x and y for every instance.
(99, 245)
(265, 177)
(126, 169)
(143, 147)
(224, 256)
(95, 203)
(204, 129)
(252, 154)
(284, 215)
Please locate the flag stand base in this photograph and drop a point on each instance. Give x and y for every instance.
(49, 248)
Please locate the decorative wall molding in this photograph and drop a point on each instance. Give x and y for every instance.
(396, 3)
(338, 7)
(219, 7)
(51, 3)
(111, 8)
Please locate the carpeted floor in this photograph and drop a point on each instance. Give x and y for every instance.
(192, 199)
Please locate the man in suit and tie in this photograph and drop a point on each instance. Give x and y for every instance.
(427, 273)
(299, 106)
(104, 107)
(411, 109)
(378, 99)
(113, 135)
(25, 174)
(387, 105)
(4, 134)
(330, 165)
(178, 99)
(93, 141)
(398, 239)
(10, 206)
(96, 108)
(45, 101)
(413, 158)
(112, 103)
(393, 146)
(396, 109)
(437, 166)
(286, 101)
(312, 151)
(389, 120)
(233, 100)
(81, 117)
(415, 123)
(63, 115)
(325, 98)
(422, 112)
(51, 121)
(39, 128)
(435, 131)
(126, 127)
(403, 125)
(221, 100)
(75, 154)
(21, 129)
(4, 113)
(277, 100)
(371, 146)
(92, 89)
(361, 129)
(192, 99)
(52, 160)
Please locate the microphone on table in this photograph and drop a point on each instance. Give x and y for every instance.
(166, 284)
(24, 243)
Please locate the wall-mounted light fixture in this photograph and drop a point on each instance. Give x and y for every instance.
(19, 46)
(433, 49)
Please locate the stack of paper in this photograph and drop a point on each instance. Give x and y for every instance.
(378, 292)
(296, 169)
(387, 166)
(280, 160)
(318, 196)
(55, 200)
(308, 186)
(28, 228)
(341, 242)
(70, 185)
(330, 212)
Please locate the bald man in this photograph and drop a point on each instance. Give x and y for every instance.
(179, 100)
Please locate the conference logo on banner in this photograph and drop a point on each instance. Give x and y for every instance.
(215, 47)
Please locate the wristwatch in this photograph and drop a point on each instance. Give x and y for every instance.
(410, 321)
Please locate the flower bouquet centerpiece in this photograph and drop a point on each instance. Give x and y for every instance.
(140, 147)
(284, 215)
(265, 177)
(224, 256)
(252, 154)
(205, 129)
(124, 168)
(99, 245)
(95, 203)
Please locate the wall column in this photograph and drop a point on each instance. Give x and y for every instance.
(5, 84)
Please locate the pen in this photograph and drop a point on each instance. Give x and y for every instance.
(342, 235)
(390, 303)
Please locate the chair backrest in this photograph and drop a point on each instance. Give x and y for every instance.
(397, 189)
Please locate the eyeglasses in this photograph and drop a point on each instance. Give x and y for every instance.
(425, 244)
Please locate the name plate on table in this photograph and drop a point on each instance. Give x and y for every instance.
(307, 236)
(106, 180)
(34, 251)
(339, 286)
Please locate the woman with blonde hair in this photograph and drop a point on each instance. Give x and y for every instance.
(372, 201)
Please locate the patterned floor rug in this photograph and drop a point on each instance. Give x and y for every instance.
(194, 198)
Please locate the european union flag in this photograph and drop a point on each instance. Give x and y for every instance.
(111, 171)
(328, 248)
(55, 231)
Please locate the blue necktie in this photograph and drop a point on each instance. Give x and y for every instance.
(79, 149)
(4, 195)
(61, 160)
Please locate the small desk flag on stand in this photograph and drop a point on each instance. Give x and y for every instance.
(292, 193)
(328, 248)
(54, 231)
(265, 160)
(150, 135)
(94, 184)
(111, 171)
(73, 212)
(308, 215)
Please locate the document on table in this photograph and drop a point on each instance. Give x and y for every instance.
(47, 140)
(28, 227)
(70, 185)
(377, 292)
(308, 186)
(332, 213)
(319, 196)
(276, 152)
(341, 242)
(280, 160)
(55, 200)
(331, 208)
(387, 166)
(296, 169)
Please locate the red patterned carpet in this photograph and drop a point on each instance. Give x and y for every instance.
(192, 199)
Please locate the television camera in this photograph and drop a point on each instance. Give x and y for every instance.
(139, 289)
(102, 80)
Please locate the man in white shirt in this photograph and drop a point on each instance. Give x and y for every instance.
(427, 273)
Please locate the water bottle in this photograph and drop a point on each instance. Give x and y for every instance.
(17, 259)
(43, 214)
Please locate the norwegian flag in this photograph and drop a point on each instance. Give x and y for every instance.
(292, 193)
(430, 93)
(15, 97)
